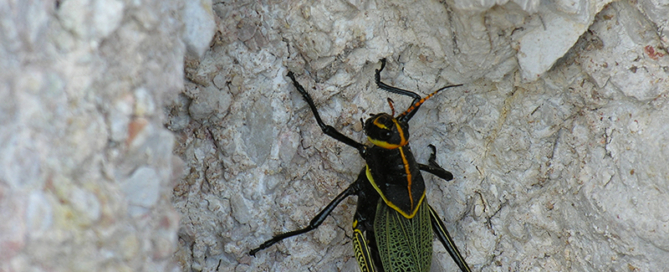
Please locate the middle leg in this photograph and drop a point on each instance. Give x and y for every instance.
(433, 168)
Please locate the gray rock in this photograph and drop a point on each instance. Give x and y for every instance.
(210, 101)
(198, 18)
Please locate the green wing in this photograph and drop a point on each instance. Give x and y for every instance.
(404, 244)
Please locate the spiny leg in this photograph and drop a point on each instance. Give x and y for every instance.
(315, 222)
(328, 130)
(433, 168)
(363, 253)
(364, 240)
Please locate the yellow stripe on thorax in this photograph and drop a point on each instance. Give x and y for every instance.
(390, 204)
(382, 144)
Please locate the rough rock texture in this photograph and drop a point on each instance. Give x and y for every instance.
(558, 140)
(86, 166)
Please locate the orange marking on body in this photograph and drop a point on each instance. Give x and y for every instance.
(408, 172)
(403, 140)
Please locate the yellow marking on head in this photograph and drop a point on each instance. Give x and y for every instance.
(355, 223)
(379, 125)
(387, 145)
(390, 204)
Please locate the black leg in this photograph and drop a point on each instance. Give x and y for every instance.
(447, 241)
(434, 168)
(417, 100)
(315, 222)
(328, 130)
(392, 89)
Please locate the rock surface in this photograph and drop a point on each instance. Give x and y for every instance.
(557, 140)
(86, 167)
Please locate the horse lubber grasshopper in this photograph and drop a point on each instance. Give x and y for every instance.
(393, 225)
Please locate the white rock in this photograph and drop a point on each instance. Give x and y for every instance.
(630, 58)
(540, 47)
(86, 203)
(119, 116)
(199, 26)
(240, 210)
(39, 213)
(144, 103)
(142, 188)
(107, 15)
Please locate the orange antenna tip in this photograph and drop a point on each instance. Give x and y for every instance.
(392, 106)
(420, 102)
